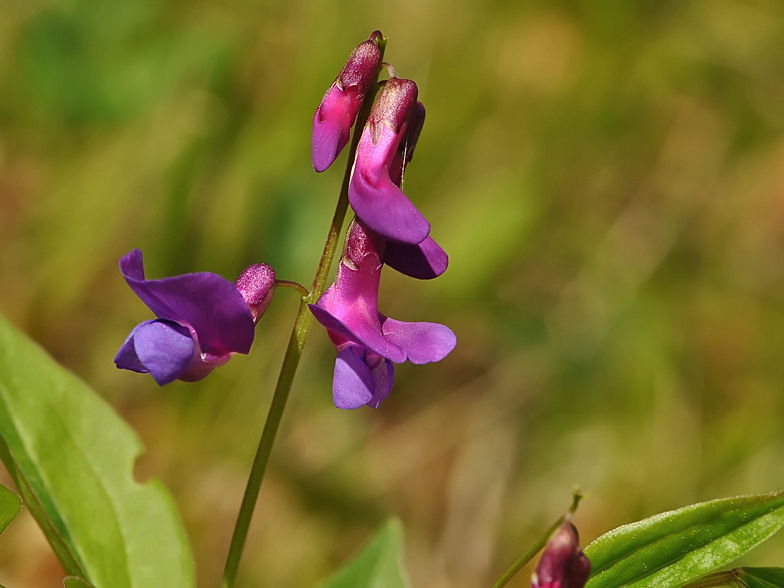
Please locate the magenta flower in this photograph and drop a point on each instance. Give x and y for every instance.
(203, 319)
(374, 193)
(338, 109)
(368, 342)
(563, 564)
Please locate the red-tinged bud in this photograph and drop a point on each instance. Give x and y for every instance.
(393, 107)
(338, 109)
(563, 564)
(257, 286)
(405, 150)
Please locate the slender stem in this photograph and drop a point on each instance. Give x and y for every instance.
(537, 547)
(293, 354)
(292, 285)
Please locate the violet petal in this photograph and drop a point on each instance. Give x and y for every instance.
(126, 358)
(165, 349)
(422, 342)
(207, 302)
(423, 261)
(353, 384)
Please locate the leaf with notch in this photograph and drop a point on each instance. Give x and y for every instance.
(72, 457)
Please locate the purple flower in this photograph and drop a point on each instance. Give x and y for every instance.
(373, 192)
(338, 109)
(203, 319)
(368, 342)
(563, 564)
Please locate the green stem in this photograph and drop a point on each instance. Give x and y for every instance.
(537, 547)
(299, 334)
(303, 291)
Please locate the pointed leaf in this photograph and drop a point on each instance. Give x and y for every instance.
(10, 505)
(76, 582)
(72, 457)
(762, 577)
(677, 547)
(377, 565)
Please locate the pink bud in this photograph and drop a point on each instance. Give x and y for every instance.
(338, 109)
(257, 286)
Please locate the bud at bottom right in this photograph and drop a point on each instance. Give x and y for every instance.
(563, 564)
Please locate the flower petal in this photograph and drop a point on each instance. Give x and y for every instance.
(422, 342)
(376, 200)
(384, 375)
(423, 261)
(353, 384)
(210, 304)
(164, 348)
(126, 358)
(362, 334)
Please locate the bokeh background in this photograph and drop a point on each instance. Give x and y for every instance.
(606, 175)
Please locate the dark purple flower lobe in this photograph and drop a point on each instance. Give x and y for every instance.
(207, 303)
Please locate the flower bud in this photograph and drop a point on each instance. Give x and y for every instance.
(340, 105)
(257, 286)
(563, 564)
(394, 106)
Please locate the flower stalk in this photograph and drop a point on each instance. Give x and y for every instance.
(296, 344)
(520, 562)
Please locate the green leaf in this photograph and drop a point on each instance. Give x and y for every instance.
(72, 457)
(76, 582)
(377, 565)
(762, 577)
(674, 548)
(10, 505)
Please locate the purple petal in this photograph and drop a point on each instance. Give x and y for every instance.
(384, 375)
(126, 358)
(423, 261)
(210, 304)
(422, 342)
(376, 200)
(164, 348)
(332, 124)
(362, 334)
(353, 384)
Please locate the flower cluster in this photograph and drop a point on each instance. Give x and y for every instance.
(388, 230)
(203, 319)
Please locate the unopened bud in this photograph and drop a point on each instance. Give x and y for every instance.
(257, 286)
(393, 107)
(563, 564)
(338, 109)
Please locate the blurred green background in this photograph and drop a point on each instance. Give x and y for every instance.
(606, 175)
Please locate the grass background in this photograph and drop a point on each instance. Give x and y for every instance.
(607, 177)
